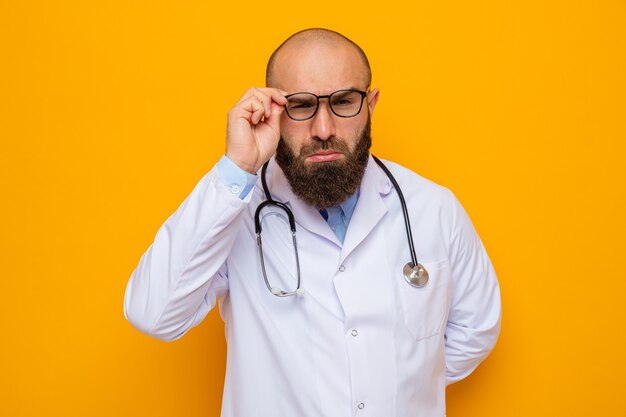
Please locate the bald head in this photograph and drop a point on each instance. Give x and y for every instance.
(315, 37)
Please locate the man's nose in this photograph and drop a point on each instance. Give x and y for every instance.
(323, 123)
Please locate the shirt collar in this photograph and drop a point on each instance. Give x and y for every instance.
(347, 207)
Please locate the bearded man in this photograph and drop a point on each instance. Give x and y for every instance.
(351, 318)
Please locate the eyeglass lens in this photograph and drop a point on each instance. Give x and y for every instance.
(344, 103)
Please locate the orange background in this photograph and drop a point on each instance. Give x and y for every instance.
(111, 111)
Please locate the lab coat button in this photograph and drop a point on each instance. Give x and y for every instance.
(354, 332)
(234, 189)
(361, 406)
(342, 268)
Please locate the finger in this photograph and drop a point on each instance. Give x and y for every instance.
(257, 111)
(257, 103)
(274, 94)
(251, 109)
(249, 93)
(273, 120)
(277, 95)
(266, 100)
(269, 95)
(265, 96)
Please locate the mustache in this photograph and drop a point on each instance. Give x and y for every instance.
(332, 143)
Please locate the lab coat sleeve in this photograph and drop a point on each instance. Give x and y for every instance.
(183, 272)
(474, 318)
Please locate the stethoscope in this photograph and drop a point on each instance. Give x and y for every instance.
(414, 273)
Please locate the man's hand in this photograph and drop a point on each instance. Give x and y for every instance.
(254, 128)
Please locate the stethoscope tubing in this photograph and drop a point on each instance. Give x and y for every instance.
(405, 212)
(414, 273)
(292, 225)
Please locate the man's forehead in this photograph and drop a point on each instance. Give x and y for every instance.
(321, 65)
(336, 48)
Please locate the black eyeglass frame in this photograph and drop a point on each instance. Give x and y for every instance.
(327, 96)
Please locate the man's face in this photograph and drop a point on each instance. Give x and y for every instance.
(323, 157)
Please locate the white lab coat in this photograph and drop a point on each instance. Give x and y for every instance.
(360, 341)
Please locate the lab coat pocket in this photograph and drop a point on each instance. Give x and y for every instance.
(425, 309)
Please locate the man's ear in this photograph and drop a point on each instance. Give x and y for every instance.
(372, 99)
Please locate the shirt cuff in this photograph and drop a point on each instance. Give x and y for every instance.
(235, 179)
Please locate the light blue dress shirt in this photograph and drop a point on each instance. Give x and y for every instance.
(338, 217)
(240, 182)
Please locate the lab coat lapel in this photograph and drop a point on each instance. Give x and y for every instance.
(306, 216)
(370, 208)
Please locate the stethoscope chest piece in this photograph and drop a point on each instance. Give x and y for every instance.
(416, 276)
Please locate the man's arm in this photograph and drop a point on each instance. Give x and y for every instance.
(183, 272)
(474, 320)
(181, 275)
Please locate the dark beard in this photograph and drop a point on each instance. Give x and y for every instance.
(326, 184)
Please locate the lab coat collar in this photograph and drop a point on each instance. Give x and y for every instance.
(367, 213)
(370, 208)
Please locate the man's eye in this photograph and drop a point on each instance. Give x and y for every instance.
(342, 102)
(301, 106)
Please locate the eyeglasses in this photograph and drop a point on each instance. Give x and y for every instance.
(343, 103)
